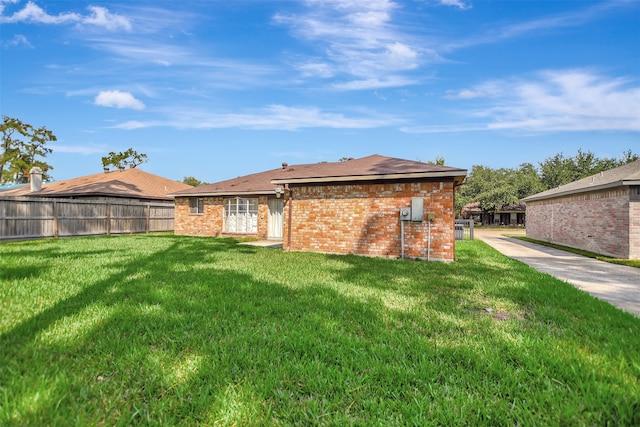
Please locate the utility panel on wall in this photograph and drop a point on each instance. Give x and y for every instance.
(417, 209)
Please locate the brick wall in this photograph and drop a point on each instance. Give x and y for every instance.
(597, 221)
(211, 221)
(364, 219)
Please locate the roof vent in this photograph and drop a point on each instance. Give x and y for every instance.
(285, 165)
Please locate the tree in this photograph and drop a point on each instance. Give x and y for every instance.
(559, 170)
(439, 161)
(189, 180)
(495, 188)
(22, 146)
(130, 157)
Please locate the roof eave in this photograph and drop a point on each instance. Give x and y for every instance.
(224, 193)
(461, 174)
(615, 184)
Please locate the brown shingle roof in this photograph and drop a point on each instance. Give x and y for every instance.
(130, 183)
(628, 174)
(373, 167)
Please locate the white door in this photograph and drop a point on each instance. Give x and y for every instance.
(276, 212)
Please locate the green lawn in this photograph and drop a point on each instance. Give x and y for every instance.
(168, 330)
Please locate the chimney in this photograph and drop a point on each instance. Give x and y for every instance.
(36, 179)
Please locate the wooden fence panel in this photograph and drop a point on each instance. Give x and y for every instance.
(29, 218)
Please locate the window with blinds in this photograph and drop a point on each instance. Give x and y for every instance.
(241, 215)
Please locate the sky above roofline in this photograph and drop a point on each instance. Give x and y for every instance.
(219, 89)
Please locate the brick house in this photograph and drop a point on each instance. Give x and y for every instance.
(600, 213)
(339, 207)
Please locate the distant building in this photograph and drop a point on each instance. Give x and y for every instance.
(505, 215)
(600, 213)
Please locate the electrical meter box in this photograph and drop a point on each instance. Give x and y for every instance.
(405, 214)
(417, 209)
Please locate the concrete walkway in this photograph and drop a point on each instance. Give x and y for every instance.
(617, 284)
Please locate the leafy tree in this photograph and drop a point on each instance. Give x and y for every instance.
(559, 170)
(130, 157)
(494, 188)
(439, 161)
(189, 180)
(22, 146)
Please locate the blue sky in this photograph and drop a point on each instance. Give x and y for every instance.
(216, 89)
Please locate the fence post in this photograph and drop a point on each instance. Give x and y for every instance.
(55, 219)
(471, 224)
(147, 213)
(108, 218)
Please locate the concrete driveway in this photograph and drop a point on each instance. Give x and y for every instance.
(617, 284)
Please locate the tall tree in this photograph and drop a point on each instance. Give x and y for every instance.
(23, 147)
(495, 188)
(128, 157)
(559, 170)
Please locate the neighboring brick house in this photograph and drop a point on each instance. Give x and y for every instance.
(600, 213)
(339, 207)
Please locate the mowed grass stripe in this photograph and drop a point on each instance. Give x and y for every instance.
(172, 330)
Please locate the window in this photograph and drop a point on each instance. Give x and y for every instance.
(241, 215)
(196, 205)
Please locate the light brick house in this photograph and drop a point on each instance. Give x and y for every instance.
(600, 213)
(339, 207)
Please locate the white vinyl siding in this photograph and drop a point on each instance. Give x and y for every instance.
(241, 215)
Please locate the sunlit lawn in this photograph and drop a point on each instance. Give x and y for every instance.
(167, 330)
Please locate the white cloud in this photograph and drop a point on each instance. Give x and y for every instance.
(272, 117)
(550, 101)
(358, 41)
(118, 99)
(569, 100)
(99, 17)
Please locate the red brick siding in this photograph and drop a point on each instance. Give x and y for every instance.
(597, 221)
(634, 223)
(211, 222)
(364, 219)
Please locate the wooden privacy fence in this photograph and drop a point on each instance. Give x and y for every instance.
(29, 218)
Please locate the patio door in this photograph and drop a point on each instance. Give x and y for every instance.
(276, 213)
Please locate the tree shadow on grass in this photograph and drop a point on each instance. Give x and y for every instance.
(180, 336)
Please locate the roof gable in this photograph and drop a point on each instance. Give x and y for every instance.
(624, 175)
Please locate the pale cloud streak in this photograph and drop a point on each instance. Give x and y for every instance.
(548, 101)
(456, 3)
(272, 117)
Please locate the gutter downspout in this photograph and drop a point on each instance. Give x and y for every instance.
(290, 203)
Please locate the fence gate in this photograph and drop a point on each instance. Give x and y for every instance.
(464, 229)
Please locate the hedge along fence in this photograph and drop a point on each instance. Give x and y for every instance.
(30, 218)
